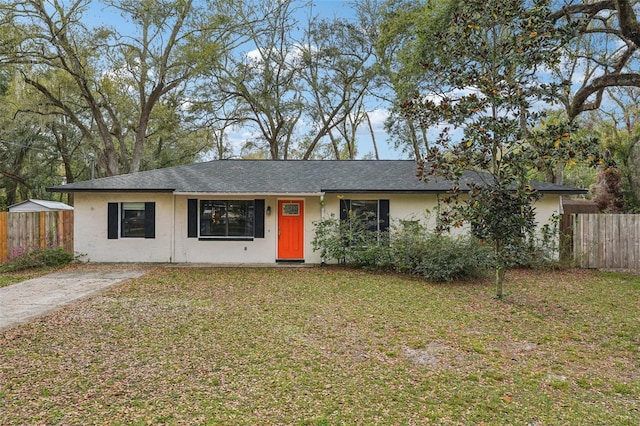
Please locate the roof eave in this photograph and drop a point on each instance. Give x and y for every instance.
(250, 193)
(296, 194)
(68, 190)
(385, 191)
(564, 191)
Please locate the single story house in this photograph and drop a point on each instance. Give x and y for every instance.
(249, 211)
(32, 205)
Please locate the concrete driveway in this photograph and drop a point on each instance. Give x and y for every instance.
(38, 296)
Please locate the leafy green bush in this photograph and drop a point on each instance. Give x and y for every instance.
(328, 240)
(448, 258)
(437, 257)
(408, 248)
(351, 243)
(409, 245)
(38, 258)
(541, 248)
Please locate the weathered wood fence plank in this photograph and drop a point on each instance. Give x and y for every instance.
(24, 231)
(4, 250)
(610, 241)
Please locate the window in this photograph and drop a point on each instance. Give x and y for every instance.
(226, 218)
(131, 220)
(374, 214)
(291, 209)
(367, 212)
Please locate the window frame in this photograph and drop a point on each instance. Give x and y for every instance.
(193, 221)
(128, 206)
(251, 206)
(382, 212)
(116, 220)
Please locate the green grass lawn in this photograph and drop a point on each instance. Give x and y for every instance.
(325, 346)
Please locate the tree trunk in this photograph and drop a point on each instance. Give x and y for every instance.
(414, 140)
(138, 147)
(273, 149)
(334, 145)
(499, 272)
(10, 192)
(373, 136)
(499, 282)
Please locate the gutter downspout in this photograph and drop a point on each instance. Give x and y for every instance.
(322, 260)
(172, 257)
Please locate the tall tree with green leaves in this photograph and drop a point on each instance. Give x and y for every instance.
(598, 71)
(121, 76)
(480, 67)
(617, 126)
(603, 52)
(29, 160)
(258, 74)
(406, 27)
(294, 86)
(339, 69)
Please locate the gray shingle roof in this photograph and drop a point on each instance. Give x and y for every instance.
(46, 204)
(284, 177)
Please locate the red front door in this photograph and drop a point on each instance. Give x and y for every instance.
(290, 229)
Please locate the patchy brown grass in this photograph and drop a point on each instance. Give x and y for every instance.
(331, 346)
(9, 278)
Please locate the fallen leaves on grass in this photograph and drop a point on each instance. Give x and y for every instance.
(330, 346)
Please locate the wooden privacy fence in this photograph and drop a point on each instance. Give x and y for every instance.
(610, 241)
(24, 231)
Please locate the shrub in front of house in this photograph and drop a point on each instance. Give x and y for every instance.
(351, 243)
(409, 248)
(37, 258)
(541, 248)
(454, 258)
(437, 257)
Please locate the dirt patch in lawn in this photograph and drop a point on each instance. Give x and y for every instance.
(436, 355)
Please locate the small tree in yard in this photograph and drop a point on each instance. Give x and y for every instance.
(481, 72)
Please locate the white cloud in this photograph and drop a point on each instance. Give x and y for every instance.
(378, 117)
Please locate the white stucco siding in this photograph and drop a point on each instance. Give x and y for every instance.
(424, 207)
(90, 229)
(546, 207)
(253, 250)
(171, 242)
(313, 210)
(196, 250)
(401, 206)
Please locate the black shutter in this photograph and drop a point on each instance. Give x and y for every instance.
(149, 220)
(112, 221)
(258, 221)
(345, 206)
(192, 218)
(383, 220)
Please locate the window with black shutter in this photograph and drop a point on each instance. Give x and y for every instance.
(131, 220)
(225, 219)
